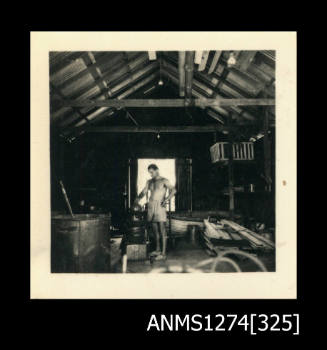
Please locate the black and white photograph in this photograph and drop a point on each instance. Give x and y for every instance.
(164, 161)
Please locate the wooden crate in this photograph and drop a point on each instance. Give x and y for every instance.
(136, 252)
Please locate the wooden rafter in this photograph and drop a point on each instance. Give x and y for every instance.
(245, 59)
(96, 74)
(215, 116)
(204, 59)
(249, 112)
(108, 73)
(63, 98)
(135, 70)
(169, 63)
(54, 68)
(198, 57)
(214, 61)
(88, 69)
(75, 130)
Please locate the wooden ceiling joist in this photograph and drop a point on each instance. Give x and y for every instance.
(154, 129)
(197, 102)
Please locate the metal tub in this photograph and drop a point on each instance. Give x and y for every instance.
(78, 244)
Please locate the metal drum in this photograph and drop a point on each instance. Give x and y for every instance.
(78, 244)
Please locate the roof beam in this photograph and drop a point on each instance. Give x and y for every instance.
(154, 129)
(78, 129)
(197, 102)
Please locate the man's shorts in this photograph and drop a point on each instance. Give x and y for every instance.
(156, 212)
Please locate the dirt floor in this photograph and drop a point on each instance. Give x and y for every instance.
(184, 257)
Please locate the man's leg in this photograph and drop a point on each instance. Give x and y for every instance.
(155, 229)
(162, 226)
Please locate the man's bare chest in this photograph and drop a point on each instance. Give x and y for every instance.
(156, 185)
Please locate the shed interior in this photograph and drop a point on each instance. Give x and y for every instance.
(110, 109)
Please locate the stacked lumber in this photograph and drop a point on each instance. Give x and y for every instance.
(214, 230)
(257, 241)
(217, 237)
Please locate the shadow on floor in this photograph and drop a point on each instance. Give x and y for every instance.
(185, 256)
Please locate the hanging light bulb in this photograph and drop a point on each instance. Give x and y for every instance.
(232, 60)
(160, 82)
(158, 136)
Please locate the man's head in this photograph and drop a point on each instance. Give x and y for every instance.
(153, 170)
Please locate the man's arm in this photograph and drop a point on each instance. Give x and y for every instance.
(171, 189)
(143, 192)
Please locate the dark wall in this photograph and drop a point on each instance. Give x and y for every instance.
(95, 167)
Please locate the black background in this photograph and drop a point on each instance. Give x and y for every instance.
(91, 321)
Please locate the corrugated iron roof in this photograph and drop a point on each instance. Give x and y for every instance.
(105, 75)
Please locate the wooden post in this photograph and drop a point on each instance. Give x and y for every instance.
(129, 184)
(267, 150)
(189, 66)
(230, 172)
(181, 74)
(169, 216)
(191, 185)
(125, 196)
(62, 158)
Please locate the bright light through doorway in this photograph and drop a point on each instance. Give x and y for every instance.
(166, 169)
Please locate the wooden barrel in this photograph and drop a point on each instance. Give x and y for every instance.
(77, 243)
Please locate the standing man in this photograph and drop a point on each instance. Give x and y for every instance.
(158, 186)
